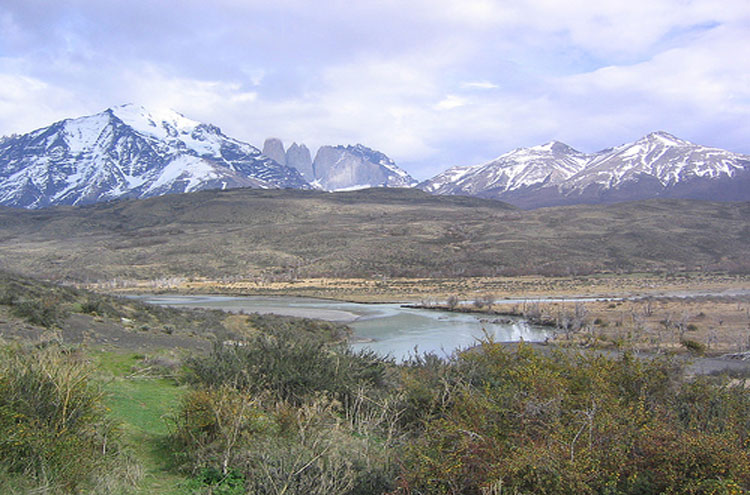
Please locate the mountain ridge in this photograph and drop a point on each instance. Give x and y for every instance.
(290, 233)
(128, 151)
(658, 165)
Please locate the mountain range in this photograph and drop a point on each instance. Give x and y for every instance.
(131, 152)
(658, 165)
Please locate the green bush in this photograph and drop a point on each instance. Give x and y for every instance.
(289, 369)
(277, 448)
(54, 431)
(694, 346)
(292, 415)
(43, 312)
(94, 306)
(299, 416)
(523, 422)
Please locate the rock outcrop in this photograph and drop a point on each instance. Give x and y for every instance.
(298, 157)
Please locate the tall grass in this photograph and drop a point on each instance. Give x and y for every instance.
(55, 435)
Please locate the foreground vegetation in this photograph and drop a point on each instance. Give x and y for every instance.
(283, 414)
(55, 433)
(277, 405)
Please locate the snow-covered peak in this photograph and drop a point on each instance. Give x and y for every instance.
(554, 147)
(660, 155)
(521, 168)
(154, 122)
(664, 138)
(129, 151)
(554, 173)
(172, 127)
(545, 151)
(82, 134)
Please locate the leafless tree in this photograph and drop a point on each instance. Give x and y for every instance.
(452, 301)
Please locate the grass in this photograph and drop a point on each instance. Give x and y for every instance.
(293, 234)
(142, 406)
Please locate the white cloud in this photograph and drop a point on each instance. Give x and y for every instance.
(450, 102)
(27, 103)
(479, 85)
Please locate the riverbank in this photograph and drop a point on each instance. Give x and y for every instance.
(388, 329)
(703, 324)
(707, 312)
(390, 290)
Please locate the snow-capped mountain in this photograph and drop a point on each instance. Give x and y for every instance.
(128, 151)
(338, 168)
(657, 165)
(545, 165)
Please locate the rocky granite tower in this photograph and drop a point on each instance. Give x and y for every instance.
(298, 157)
(273, 148)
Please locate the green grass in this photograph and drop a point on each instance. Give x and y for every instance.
(115, 364)
(142, 406)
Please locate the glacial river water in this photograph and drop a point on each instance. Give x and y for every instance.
(388, 329)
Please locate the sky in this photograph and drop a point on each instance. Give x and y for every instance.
(431, 83)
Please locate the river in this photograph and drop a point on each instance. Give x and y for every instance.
(388, 329)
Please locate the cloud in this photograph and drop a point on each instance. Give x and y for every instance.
(29, 103)
(432, 83)
(450, 102)
(479, 85)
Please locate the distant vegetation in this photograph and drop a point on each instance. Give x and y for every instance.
(77, 316)
(282, 235)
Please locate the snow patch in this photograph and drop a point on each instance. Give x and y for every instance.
(82, 134)
(192, 169)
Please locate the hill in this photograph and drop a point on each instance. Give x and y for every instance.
(249, 233)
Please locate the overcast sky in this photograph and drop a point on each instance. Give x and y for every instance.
(431, 83)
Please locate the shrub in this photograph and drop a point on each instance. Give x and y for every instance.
(214, 482)
(291, 415)
(290, 370)
(694, 346)
(45, 312)
(275, 447)
(54, 430)
(93, 306)
(522, 422)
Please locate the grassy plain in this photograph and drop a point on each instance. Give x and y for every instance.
(270, 236)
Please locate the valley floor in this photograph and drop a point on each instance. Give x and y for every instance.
(707, 312)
